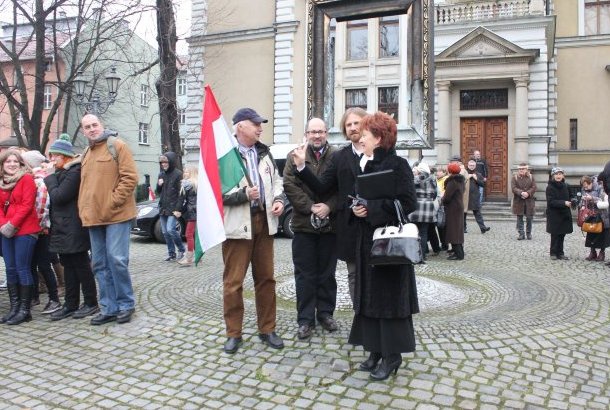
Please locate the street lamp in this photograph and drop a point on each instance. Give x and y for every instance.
(96, 105)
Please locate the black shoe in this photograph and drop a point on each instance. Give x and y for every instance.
(554, 257)
(485, 229)
(272, 340)
(388, 365)
(563, 258)
(529, 236)
(370, 364)
(124, 316)
(62, 313)
(305, 331)
(85, 310)
(521, 237)
(170, 258)
(101, 318)
(454, 257)
(232, 344)
(328, 323)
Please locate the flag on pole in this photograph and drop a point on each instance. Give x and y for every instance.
(220, 170)
(151, 194)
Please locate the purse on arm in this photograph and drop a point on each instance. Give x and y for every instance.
(396, 244)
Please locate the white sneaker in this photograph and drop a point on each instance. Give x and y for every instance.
(51, 306)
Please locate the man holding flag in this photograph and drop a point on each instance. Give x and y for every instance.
(251, 211)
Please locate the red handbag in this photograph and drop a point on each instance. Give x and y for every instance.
(585, 212)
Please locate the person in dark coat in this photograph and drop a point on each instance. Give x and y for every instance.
(474, 194)
(453, 200)
(604, 179)
(340, 176)
(558, 214)
(168, 187)
(524, 203)
(595, 198)
(385, 297)
(68, 237)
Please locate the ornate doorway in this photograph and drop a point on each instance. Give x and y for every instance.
(490, 136)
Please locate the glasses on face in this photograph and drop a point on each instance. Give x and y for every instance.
(316, 132)
(163, 162)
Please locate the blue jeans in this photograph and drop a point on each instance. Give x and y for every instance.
(172, 236)
(17, 252)
(481, 195)
(110, 260)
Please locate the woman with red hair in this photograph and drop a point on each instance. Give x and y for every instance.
(453, 200)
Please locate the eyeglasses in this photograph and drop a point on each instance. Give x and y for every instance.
(316, 132)
(163, 162)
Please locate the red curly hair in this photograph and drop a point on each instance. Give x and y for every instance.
(381, 125)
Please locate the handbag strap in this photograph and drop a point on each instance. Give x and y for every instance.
(402, 220)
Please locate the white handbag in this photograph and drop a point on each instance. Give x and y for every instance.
(396, 244)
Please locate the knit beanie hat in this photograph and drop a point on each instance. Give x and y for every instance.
(33, 158)
(62, 145)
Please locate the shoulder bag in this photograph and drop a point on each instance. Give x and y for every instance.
(585, 212)
(396, 244)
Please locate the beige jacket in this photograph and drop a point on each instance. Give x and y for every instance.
(107, 186)
(237, 221)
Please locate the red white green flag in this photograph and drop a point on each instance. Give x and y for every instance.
(220, 170)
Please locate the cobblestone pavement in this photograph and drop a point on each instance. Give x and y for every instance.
(506, 328)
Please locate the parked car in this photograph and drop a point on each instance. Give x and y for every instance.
(147, 221)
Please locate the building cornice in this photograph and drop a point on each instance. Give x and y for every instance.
(515, 24)
(236, 36)
(583, 41)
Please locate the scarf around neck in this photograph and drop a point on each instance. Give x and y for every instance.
(8, 182)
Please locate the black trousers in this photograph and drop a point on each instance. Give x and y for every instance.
(315, 262)
(557, 244)
(478, 217)
(77, 275)
(41, 261)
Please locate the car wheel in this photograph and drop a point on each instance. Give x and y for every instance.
(157, 234)
(287, 226)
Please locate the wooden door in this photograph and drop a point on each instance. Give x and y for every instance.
(490, 136)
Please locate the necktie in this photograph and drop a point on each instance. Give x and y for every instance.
(318, 155)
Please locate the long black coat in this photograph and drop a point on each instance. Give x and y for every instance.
(340, 176)
(67, 234)
(453, 200)
(385, 292)
(558, 215)
(474, 196)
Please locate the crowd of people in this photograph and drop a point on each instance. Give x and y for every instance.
(74, 211)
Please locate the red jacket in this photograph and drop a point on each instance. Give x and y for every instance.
(21, 212)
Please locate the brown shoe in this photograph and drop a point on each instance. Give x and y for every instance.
(328, 323)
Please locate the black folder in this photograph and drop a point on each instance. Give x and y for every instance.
(377, 185)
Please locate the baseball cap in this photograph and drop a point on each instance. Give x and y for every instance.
(248, 114)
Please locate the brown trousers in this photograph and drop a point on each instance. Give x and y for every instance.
(237, 255)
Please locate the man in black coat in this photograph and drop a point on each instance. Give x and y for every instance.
(340, 177)
(314, 243)
(168, 187)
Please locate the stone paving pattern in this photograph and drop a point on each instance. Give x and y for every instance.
(506, 328)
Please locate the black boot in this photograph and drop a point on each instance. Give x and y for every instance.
(458, 253)
(389, 364)
(371, 363)
(13, 297)
(24, 315)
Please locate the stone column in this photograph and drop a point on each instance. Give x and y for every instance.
(442, 140)
(521, 120)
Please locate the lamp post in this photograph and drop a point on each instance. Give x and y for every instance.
(97, 105)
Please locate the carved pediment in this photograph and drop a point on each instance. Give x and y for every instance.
(482, 43)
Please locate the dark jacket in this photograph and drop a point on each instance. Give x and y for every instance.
(67, 234)
(558, 215)
(453, 200)
(339, 177)
(385, 292)
(521, 184)
(302, 197)
(474, 196)
(169, 191)
(188, 199)
(482, 167)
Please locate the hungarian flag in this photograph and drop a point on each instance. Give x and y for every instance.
(220, 170)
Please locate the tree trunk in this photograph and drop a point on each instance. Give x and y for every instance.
(166, 85)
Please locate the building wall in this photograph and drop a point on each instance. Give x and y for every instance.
(567, 12)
